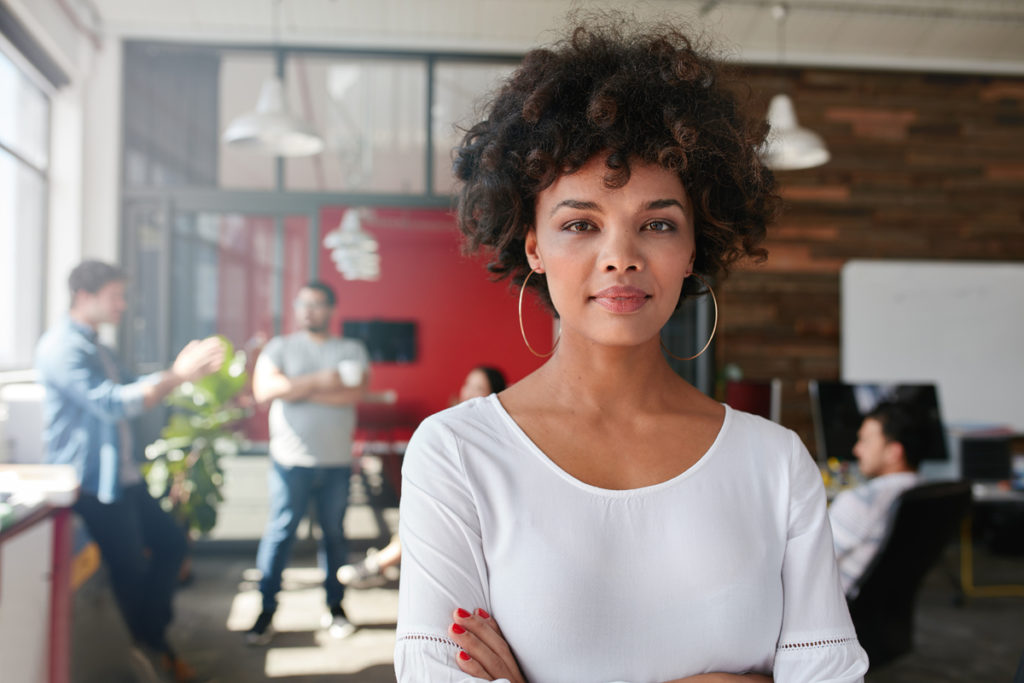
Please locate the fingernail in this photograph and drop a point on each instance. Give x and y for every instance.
(483, 613)
(458, 629)
(463, 656)
(462, 613)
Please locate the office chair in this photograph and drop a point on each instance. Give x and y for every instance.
(923, 520)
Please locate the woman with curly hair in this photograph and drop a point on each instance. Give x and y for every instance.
(617, 523)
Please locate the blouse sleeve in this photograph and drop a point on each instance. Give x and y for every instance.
(443, 565)
(817, 642)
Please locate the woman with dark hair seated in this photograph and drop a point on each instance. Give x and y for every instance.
(617, 523)
(373, 568)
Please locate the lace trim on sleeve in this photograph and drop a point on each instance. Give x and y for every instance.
(440, 640)
(817, 644)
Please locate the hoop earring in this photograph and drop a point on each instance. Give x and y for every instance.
(522, 328)
(714, 327)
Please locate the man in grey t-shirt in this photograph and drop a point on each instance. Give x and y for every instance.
(313, 381)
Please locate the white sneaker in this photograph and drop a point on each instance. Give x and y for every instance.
(337, 624)
(262, 632)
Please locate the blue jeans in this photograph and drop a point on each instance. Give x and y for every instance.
(143, 548)
(290, 491)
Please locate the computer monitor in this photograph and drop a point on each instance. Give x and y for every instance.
(839, 408)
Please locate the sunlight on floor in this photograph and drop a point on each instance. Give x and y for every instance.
(301, 647)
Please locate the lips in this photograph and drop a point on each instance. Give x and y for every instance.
(621, 299)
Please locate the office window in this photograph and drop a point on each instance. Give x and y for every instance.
(24, 158)
(459, 89)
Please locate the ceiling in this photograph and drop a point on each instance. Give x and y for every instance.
(983, 36)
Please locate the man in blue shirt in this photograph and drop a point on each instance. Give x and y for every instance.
(89, 400)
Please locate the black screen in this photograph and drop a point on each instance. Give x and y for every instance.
(387, 341)
(839, 409)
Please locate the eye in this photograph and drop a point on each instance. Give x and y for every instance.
(659, 226)
(578, 226)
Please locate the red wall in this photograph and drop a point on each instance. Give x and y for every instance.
(463, 319)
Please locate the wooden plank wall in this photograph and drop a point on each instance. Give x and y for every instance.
(924, 166)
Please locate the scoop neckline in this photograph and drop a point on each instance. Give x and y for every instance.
(536, 450)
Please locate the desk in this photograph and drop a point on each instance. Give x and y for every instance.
(984, 494)
(35, 571)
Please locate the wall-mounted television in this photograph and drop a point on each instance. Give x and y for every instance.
(388, 341)
(839, 408)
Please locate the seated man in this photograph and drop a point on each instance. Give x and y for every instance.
(888, 449)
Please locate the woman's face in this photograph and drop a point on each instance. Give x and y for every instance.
(615, 258)
(476, 384)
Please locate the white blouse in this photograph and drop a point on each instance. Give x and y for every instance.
(726, 567)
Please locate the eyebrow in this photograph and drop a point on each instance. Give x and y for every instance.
(574, 204)
(594, 206)
(664, 204)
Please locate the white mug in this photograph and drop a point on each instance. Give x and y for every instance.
(351, 373)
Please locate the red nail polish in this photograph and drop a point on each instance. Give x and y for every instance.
(458, 630)
(483, 613)
(463, 656)
(462, 613)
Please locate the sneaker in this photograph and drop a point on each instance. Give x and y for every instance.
(337, 624)
(262, 631)
(362, 574)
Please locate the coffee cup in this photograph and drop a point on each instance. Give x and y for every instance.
(351, 373)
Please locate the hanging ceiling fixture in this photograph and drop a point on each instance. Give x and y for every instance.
(353, 250)
(272, 129)
(789, 146)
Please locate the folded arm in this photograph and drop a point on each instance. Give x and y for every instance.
(485, 654)
(322, 386)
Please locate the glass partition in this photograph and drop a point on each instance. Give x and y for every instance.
(372, 115)
(241, 76)
(232, 273)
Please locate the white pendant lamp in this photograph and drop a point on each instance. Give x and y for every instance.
(353, 250)
(789, 146)
(272, 129)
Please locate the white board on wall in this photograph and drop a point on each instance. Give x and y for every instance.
(959, 324)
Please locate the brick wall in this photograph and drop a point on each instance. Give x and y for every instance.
(924, 166)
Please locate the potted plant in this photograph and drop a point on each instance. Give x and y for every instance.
(183, 469)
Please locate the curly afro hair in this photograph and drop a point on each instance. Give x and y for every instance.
(634, 94)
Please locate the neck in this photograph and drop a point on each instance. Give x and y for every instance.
(608, 378)
(317, 335)
(82, 319)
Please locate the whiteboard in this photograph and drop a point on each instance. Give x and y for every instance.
(958, 324)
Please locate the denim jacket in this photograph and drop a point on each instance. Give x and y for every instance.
(83, 406)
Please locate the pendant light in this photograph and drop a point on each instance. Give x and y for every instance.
(789, 146)
(272, 129)
(353, 250)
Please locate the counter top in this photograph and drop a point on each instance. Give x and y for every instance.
(30, 491)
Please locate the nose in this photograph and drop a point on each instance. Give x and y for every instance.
(620, 251)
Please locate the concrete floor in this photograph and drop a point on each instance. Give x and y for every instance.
(977, 642)
(223, 600)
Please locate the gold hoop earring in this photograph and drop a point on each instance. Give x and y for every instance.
(522, 328)
(714, 327)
